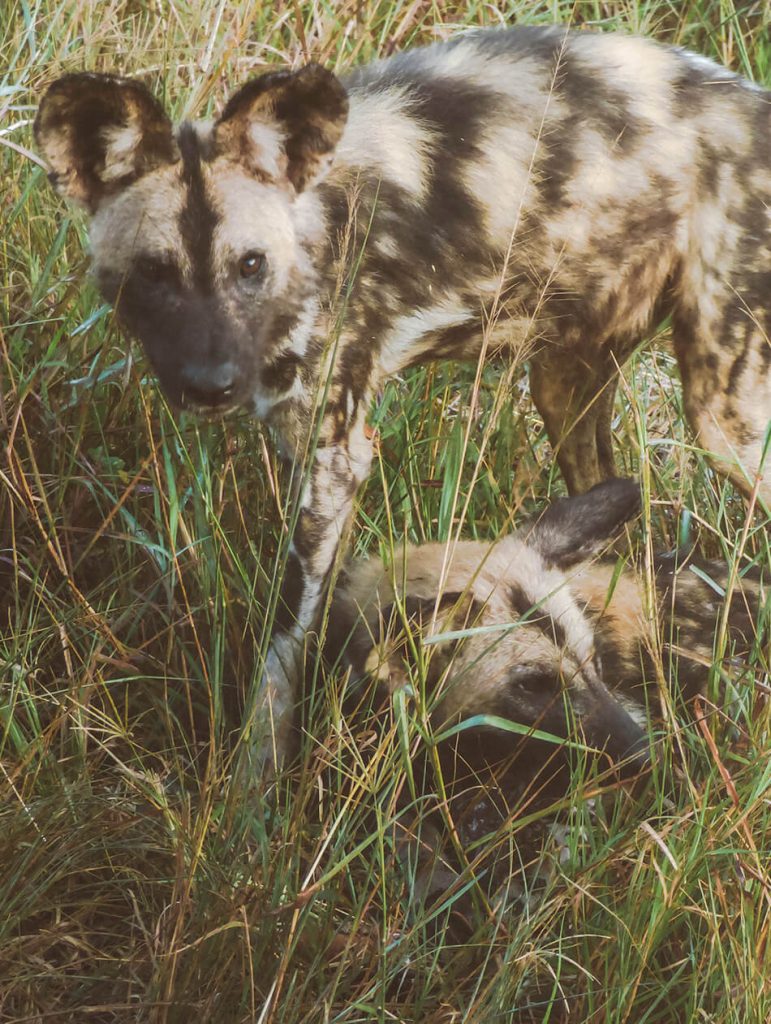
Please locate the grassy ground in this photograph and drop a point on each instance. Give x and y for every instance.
(139, 880)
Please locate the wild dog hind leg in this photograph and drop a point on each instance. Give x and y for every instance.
(725, 362)
(722, 317)
(576, 402)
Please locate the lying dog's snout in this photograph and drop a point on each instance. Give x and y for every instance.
(625, 743)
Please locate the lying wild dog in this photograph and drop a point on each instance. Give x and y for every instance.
(527, 192)
(532, 628)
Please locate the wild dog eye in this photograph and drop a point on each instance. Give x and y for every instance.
(251, 264)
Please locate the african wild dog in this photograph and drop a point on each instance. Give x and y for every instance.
(532, 628)
(524, 193)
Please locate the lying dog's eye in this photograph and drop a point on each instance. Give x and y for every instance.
(532, 680)
(251, 264)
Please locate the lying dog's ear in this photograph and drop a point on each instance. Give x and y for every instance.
(285, 124)
(99, 133)
(573, 529)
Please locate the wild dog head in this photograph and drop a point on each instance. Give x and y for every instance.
(507, 636)
(202, 236)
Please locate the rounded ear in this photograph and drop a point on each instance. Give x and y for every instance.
(573, 529)
(285, 124)
(99, 133)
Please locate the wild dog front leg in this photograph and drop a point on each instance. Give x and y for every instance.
(325, 503)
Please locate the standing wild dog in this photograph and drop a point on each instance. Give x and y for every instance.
(513, 192)
(532, 629)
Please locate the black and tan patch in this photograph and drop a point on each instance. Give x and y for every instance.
(100, 133)
(308, 107)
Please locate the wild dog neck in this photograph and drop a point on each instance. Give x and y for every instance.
(680, 631)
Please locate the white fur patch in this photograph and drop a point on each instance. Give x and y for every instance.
(268, 144)
(402, 343)
(143, 218)
(382, 136)
(121, 143)
(305, 328)
(254, 217)
(639, 68)
(387, 246)
(502, 181)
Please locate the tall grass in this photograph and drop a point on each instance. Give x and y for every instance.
(140, 879)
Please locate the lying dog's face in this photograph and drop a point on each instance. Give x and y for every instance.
(202, 237)
(498, 627)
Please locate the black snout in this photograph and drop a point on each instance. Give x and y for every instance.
(624, 741)
(636, 758)
(209, 386)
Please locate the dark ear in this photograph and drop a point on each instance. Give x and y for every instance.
(99, 133)
(285, 124)
(572, 529)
